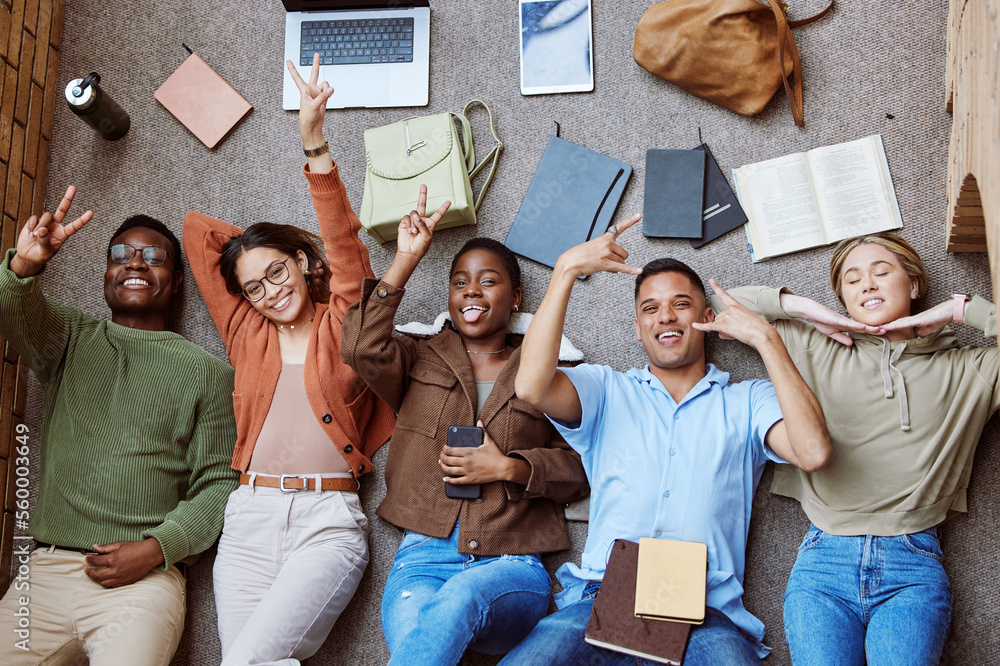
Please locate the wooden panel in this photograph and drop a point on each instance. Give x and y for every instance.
(33, 131)
(27, 196)
(6, 432)
(8, 234)
(7, 112)
(51, 93)
(41, 177)
(6, 449)
(972, 74)
(58, 11)
(6, 548)
(16, 29)
(10, 354)
(4, 30)
(30, 15)
(24, 79)
(3, 180)
(13, 198)
(9, 496)
(42, 42)
(20, 388)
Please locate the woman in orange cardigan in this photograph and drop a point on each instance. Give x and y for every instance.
(294, 545)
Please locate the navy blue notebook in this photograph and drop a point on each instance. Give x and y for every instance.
(571, 199)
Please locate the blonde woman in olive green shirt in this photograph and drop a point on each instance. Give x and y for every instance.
(905, 406)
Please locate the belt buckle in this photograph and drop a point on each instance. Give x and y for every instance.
(281, 483)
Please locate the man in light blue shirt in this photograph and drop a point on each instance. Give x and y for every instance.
(672, 451)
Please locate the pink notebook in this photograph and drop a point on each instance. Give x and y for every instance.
(203, 101)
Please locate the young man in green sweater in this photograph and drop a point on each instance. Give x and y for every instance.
(137, 435)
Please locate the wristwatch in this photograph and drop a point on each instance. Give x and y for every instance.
(960, 302)
(316, 152)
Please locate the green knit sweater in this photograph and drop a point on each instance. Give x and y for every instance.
(138, 427)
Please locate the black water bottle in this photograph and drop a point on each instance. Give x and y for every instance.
(96, 108)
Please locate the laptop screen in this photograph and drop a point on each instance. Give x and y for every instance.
(321, 5)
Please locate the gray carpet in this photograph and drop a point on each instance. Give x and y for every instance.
(869, 67)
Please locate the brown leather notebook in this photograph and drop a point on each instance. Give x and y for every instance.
(203, 101)
(613, 624)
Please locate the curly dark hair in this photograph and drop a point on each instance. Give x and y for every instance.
(284, 238)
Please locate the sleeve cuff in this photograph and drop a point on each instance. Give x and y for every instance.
(11, 282)
(536, 482)
(764, 301)
(769, 301)
(375, 291)
(981, 314)
(173, 541)
(324, 183)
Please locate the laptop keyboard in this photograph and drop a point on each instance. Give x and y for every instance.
(357, 42)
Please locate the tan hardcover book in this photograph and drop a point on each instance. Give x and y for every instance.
(670, 582)
(202, 101)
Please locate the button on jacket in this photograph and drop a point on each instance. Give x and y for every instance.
(430, 383)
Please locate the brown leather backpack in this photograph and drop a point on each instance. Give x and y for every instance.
(735, 53)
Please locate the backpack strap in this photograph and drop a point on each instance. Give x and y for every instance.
(493, 155)
(786, 41)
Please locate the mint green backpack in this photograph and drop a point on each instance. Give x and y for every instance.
(423, 150)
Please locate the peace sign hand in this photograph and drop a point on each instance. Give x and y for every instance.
(602, 254)
(41, 237)
(312, 102)
(416, 230)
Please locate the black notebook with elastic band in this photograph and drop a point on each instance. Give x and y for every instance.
(673, 193)
(571, 199)
(722, 212)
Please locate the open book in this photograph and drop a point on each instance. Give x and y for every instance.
(816, 198)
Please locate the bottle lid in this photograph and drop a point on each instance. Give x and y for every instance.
(80, 95)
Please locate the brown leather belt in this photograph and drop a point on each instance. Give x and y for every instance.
(290, 483)
(48, 546)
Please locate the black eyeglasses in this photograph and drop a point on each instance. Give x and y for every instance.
(276, 274)
(122, 253)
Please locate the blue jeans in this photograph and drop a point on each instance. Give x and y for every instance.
(882, 599)
(438, 602)
(558, 641)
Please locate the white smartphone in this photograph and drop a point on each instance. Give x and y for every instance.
(557, 54)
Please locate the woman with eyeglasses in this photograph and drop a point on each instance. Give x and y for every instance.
(294, 544)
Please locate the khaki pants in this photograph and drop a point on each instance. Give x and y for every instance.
(70, 618)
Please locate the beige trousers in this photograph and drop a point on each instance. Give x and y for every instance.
(54, 614)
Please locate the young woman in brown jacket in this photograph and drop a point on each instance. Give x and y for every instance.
(467, 572)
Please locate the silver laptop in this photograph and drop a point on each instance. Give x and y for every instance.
(374, 54)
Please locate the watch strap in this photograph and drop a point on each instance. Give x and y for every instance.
(960, 301)
(316, 152)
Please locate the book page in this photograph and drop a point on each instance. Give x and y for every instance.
(853, 188)
(778, 200)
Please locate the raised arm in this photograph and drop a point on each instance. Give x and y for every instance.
(801, 437)
(368, 345)
(204, 237)
(38, 328)
(537, 381)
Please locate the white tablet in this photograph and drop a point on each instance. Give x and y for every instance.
(556, 46)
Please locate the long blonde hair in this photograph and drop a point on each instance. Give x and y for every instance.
(908, 258)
